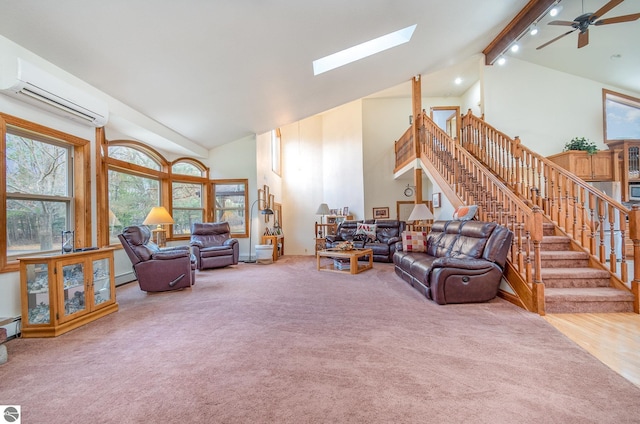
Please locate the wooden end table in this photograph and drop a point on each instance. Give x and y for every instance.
(353, 255)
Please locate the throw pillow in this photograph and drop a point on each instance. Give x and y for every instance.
(465, 213)
(414, 241)
(369, 231)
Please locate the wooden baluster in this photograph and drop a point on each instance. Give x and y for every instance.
(601, 216)
(622, 218)
(592, 223)
(634, 234)
(584, 228)
(613, 260)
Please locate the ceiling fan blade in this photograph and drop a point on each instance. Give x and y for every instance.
(583, 39)
(555, 39)
(604, 9)
(618, 19)
(563, 23)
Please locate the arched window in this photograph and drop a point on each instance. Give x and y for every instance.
(135, 175)
(188, 194)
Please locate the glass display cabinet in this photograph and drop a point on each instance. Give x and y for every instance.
(62, 292)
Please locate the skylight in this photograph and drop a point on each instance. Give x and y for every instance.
(363, 50)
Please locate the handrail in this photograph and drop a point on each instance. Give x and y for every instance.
(475, 184)
(405, 149)
(595, 221)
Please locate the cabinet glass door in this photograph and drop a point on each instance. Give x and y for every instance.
(38, 303)
(73, 288)
(101, 281)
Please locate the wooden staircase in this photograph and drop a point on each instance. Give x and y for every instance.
(573, 284)
(560, 261)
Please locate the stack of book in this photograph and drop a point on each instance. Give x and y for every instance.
(342, 263)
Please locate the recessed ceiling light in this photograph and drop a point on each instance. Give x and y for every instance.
(534, 29)
(363, 50)
(458, 81)
(515, 48)
(502, 61)
(555, 11)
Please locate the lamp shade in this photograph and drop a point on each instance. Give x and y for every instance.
(267, 211)
(158, 216)
(323, 209)
(420, 212)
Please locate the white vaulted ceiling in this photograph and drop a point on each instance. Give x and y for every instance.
(216, 71)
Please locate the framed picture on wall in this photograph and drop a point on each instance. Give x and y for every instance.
(435, 200)
(381, 213)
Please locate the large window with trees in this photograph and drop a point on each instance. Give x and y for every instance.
(188, 194)
(230, 204)
(44, 185)
(134, 175)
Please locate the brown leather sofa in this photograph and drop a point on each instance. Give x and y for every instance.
(213, 245)
(463, 262)
(388, 234)
(157, 269)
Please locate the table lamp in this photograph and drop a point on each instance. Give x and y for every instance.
(159, 216)
(420, 213)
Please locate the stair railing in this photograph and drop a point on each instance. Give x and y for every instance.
(475, 184)
(603, 227)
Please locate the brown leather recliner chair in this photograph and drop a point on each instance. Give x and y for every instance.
(213, 245)
(157, 269)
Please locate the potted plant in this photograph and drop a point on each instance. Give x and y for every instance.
(581, 143)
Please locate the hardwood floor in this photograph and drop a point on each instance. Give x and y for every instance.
(612, 338)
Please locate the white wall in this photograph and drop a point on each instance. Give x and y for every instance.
(302, 184)
(546, 108)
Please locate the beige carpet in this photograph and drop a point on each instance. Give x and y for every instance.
(284, 343)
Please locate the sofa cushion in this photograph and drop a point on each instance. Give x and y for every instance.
(369, 230)
(465, 213)
(414, 241)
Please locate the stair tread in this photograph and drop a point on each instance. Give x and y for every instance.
(588, 294)
(563, 254)
(575, 272)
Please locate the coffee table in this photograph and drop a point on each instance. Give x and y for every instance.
(353, 255)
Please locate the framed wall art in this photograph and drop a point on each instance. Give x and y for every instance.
(381, 213)
(435, 200)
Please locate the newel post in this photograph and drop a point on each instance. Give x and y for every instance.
(634, 235)
(538, 285)
(517, 156)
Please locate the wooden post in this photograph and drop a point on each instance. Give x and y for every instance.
(417, 181)
(416, 101)
(634, 235)
(538, 285)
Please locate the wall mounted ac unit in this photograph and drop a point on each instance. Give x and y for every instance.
(35, 86)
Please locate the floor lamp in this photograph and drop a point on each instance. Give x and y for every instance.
(323, 210)
(265, 211)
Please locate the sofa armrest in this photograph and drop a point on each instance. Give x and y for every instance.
(393, 240)
(333, 238)
(171, 254)
(462, 264)
(175, 248)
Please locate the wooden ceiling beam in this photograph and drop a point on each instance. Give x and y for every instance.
(531, 13)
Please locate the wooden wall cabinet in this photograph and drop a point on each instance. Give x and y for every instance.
(65, 291)
(600, 166)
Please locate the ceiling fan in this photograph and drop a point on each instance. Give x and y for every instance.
(584, 21)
